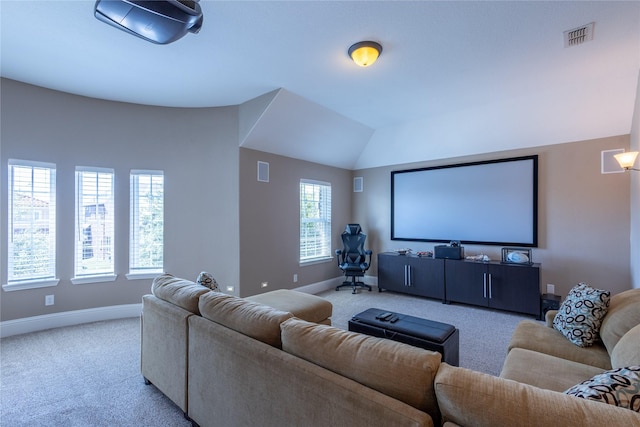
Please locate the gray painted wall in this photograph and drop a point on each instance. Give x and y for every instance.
(270, 221)
(196, 148)
(635, 194)
(584, 216)
(220, 219)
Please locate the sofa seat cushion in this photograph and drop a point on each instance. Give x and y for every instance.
(623, 314)
(180, 292)
(304, 306)
(468, 398)
(398, 370)
(255, 320)
(544, 371)
(536, 336)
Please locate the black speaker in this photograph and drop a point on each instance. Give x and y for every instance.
(449, 252)
(548, 302)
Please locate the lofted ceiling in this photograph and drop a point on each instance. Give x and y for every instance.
(454, 78)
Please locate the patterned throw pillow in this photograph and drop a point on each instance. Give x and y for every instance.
(580, 315)
(207, 280)
(620, 387)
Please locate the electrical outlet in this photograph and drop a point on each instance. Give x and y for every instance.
(229, 288)
(551, 289)
(295, 278)
(265, 284)
(49, 300)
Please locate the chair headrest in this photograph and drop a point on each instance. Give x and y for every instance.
(353, 229)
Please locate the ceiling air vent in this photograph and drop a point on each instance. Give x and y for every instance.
(578, 35)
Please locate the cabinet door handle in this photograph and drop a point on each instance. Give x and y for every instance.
(405, 274)
(490, 287)
(484, 284)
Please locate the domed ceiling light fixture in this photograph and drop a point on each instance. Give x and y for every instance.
(365, 53)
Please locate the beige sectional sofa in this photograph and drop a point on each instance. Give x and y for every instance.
(228, 361)
(541, 363)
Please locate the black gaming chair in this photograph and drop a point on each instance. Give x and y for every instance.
(352, 259)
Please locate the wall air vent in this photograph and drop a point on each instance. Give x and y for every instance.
(578, 35)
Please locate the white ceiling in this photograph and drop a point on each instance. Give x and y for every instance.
(454, 78)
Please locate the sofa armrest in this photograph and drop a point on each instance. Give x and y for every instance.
(549, 316)
(468, 397)
(163, 347)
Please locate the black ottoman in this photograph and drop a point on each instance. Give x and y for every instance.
(423, 333)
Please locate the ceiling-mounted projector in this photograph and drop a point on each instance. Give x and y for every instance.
(160, 22)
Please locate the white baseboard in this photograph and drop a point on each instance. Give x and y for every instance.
(316, 288)
(68, 318)
(78, 317)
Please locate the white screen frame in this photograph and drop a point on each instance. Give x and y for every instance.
(491, 202)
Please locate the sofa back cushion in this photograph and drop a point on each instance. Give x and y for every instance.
(627, 351)
(623, 314)
(249, 318)
(469, 397)
(180, 292)
(398, 370)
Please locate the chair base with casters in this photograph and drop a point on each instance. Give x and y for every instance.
(354, 284)
(352, 259)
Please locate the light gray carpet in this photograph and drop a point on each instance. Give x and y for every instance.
(89, 375)
(86, 375)
(484, 333)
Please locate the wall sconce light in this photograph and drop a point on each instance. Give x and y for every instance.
(365, 53)
(627, 160)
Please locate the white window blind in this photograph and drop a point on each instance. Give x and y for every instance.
(32, 221)
(94, 222)
(315, 220)
(146, 231)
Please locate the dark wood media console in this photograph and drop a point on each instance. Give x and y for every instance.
(510, 287)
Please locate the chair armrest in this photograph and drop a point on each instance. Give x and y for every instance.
(549, 316)
(368, 253)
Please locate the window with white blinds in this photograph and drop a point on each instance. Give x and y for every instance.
(315, 220)
(94, 228)
(32, 222)
(146, 231)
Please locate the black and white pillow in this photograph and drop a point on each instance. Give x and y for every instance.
(580, 315)
(620, 387)
(207, 280)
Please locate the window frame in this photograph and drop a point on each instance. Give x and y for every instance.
(136, 271)
(324, 217)
(49, 278)
(100, 276)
